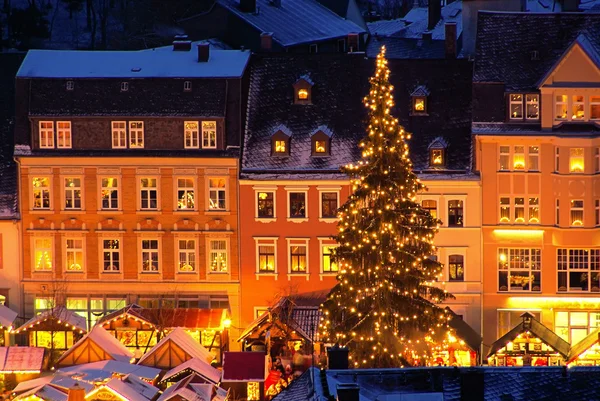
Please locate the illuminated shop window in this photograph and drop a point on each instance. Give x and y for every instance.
(576, 160)
(519, 269)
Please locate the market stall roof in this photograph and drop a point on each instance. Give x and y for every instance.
(244, 366)
(466, 333)
(547, 336)
(21, 359)
(131, 310)
(586, 343)
(96, 345)
(61, 315)
(45, 392)
(7, 317)
(130, 388)
(174, 349)
(194, 365)
(187, 389)
(98, 371)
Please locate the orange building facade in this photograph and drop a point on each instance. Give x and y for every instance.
(539, 156)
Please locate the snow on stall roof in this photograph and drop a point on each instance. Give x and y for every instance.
(23, 359)
(124, 390)
(105, 369)
(199, 366)
(180, 337)
(59, 313)
(132, 64)
(45, 392)
(107, 342)
(34, 383)
(140, 386)
(7, 316)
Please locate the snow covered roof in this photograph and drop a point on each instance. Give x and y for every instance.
(105, 341)
(61, 314)
(44, 392)
(21, 359)
(67, 64)
(386, 27)
(7, 316)
(105, 369)
(185, 341)
(130, 388)
(198, 366)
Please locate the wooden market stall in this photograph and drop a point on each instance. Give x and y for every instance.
(174, 349)
(530, 343)
(195, 366)
(18, 364)
(587, 351)
(461, 347)
(190, 389)
(7, 319)
(128, 388)
(57, 329)
(97, 345)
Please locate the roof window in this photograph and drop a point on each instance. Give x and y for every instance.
(124, 86)
(280, 142)
(303, 90)
(70, 85)
(437, 152)
(419, 100)
(321, 142)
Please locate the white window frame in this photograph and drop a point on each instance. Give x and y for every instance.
(514, 269)
(75, 251)
(51, 249)
(137, 134)
(504, 154)
(565, 103)
(209, 251)
(456, 252)
(531, 156)
(570, 326)
(211, 189)
(101, 240)
(529, 101)
(570, 259)
(289, 191)
(573, 157)
(186, 190)
(103, 188)
(510, 211)
(187, 252)
(516, 102)
(577, 103)
(594, 103)
(187, 86)
(326, 242)
(118, 131)
(257, 190)
(67, 135)
(463, 199)
(577, 209)
(206, 134)
(291, 242)
(522, 206)
(46, 135)
(148, 191)
(141, 252)
(266, 241)
(47, 189)
(192, 133)
(323, 190)
(72, 190)
(435, 199)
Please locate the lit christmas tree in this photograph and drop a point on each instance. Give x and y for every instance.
(384, 304)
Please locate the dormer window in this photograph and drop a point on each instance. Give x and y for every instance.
(437, 157)
(281, 146)
(419, 104)
(321, 147)
(124, 86)
(437, 153)
(524, 106)
(70, 85)
(303, 90)
(419, 100)
(320, 141)
(280, 142)
(187, 86)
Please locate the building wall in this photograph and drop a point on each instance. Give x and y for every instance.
(10, 262)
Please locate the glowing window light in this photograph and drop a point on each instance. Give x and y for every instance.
(519, 158)
(320, 146)
(576, 160)
(577, 212)
(437, 157)
(253, 391)
(302, 94)
(419, 104)
(280, 147)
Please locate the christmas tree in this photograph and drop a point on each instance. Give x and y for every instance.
(384, 304)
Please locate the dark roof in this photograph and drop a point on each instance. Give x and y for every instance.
(409, 48)
(340, 83)
(466, 333)
(565, 130)
(298, 389)
(547, 336)
(244, 366)
(505, 42)
(296, 21)
(25, 150)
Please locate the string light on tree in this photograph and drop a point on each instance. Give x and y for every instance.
(384, 306)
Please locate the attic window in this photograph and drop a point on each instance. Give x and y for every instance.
(437, 152)
(321, 141)
(303, 90)
(302, 94)
(187, 86)
(70, 85)
(419, 100)
(124, 86)
(280, 143)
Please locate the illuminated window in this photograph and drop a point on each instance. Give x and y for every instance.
(280, 147)
(191, 134)
(110, 193)
(119, 134)
(46, 134)
(534, 158)
(577, 213)
(519, 269)
(329, 205)
(532, 103)
(575, 325)
(187, 86)
(74, 255)
(419, 104)
(217, 194)
(72, 193)
(136, 134)
(41, 192)
(561, 107)
(519, 158)
(578, 108)
(302, 94)
(431, 206)
(303, 87)
(321, 141)
(578, 270)
(148, 194)
(218, 256)
(150, 256)
(516, 106)
(534, 210)
(320, 146)
(63, 134)
(253, 391)
(329, 266)
(187, 255)
(43, 254)
(297, 204)
(111, 255)
(504, 158)
(266, 258)
(595, 107)
(298, 258)
(455, 213)
(520, 210)
(436, 157)
(456, 268)
(265, 204)
(576, 161)
(186, 196)
(209, 134)
(557, 212)
(504, 210)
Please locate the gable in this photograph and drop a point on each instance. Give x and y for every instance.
(575, 68)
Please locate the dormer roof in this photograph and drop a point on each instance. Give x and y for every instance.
(324, 129)
(420, 90)
(283, 129)
(438, 143)
(305, 78)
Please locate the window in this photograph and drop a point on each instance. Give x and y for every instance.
(266, 258)
(41, 192)
(577, 213)
(119, 134)
(187, 86)
(266, 204)
(320, 147)
(576, 161)
(46, 134)
(124, 86)
(419, 104)
(191, 134)
(557, 212)
(280, 146)
(63, 134)
(148, 194)
(455, 213)
(302, 94)
(70, 85)
(253, 391)
(578, 108)
(217, 193)
(185, 194)
(218, 256)
(302, 90)
(557, 160)
(597, 160)
(298, 258)
(508, 319)
(532, 104)
(111, 255)
(329, 205)
(504, 158)
(520, 210)
(109, 193)
(43, 254)
(431, 206)
(72, 193)
(597, 210)
(187, 255)
(534, 158)
(436, 157)
(575, 325)
(534, 210)
(504, 210)
(561, 109)
(74, 255)
(519, 158)
(329, 266)
(578, 270)
(519, 269)
(297, 205)
(595, 107)
(209, 134)
(136, 134)
(150, 257)
(516, 107)
(320, 143)
(456, 268)
(313, 48)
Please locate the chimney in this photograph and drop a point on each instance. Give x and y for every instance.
(353, 42)
(348, 392)
(266, 41)
(434, 13)
(248, 6)
(182, 43)
(76, 393)
(203, 52)
(450, 39)
(337, 357)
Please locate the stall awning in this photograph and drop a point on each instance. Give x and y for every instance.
(583, 345)
(21, 359)
(466, 333)
(60, 315)
(7, 317)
